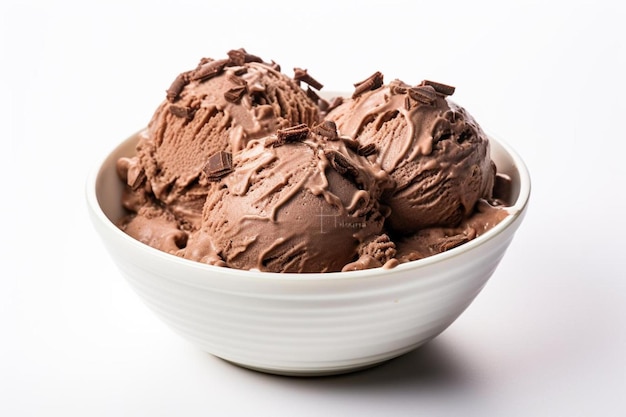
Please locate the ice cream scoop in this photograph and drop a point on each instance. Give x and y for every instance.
(219, 106)
(296, 201)
(434, 150)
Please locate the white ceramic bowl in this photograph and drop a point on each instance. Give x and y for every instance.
(307, 324)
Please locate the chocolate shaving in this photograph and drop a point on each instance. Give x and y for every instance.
(273, 65)
(203, 61)
(334, 103)
(135, 177)
(323, 106)
(373, 82)
(218, 166)
(173, 93)
(341, 164)
(302, 75)
(425, 94)
(366, 150)
(328, 129)
(239, 70)
(313, 96)
(235, 94)
(296, 133)
(239, 57)
(182, 112)
(444, 89)
(209, 70)
(397, 88)
(407, 103)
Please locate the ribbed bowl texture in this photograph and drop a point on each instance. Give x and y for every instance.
(305, 324)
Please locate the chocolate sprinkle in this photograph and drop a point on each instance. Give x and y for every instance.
(182, 112)
(373, 82)
(302, 75)
(218, 166)
(444, 89)
(425, 94)
(328, 129)
(341, 164)
(177, 86)
(209, 70)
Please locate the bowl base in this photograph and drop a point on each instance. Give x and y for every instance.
(324, 371)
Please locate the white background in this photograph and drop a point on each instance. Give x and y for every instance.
(547, 335)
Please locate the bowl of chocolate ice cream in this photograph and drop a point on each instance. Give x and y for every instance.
(301, 233)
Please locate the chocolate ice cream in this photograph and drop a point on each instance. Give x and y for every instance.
(433, 149)
(219, 106)
(297, 201)
(241, 167)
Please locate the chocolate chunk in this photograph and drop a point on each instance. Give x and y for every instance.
(291, 134)
(209, 70)
(366, 150)
(302, 75)
(235, 94)
(296, 133)
(323, 106)
(397, 88)
(177, 86)
(446, 90)
(273, 65)
(341, 164)
(334, 103)
(182, 112)
(135, 177)
(313, 96)
(239, 70)
(328, 129)
(218, 166)
(373, 82)
(425, 94)
(239, 57)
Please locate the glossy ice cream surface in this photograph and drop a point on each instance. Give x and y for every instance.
(238, 169)
(287, 200)
(432, 148)
(218, 106)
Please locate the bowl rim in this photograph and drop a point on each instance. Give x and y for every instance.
(515, 211)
